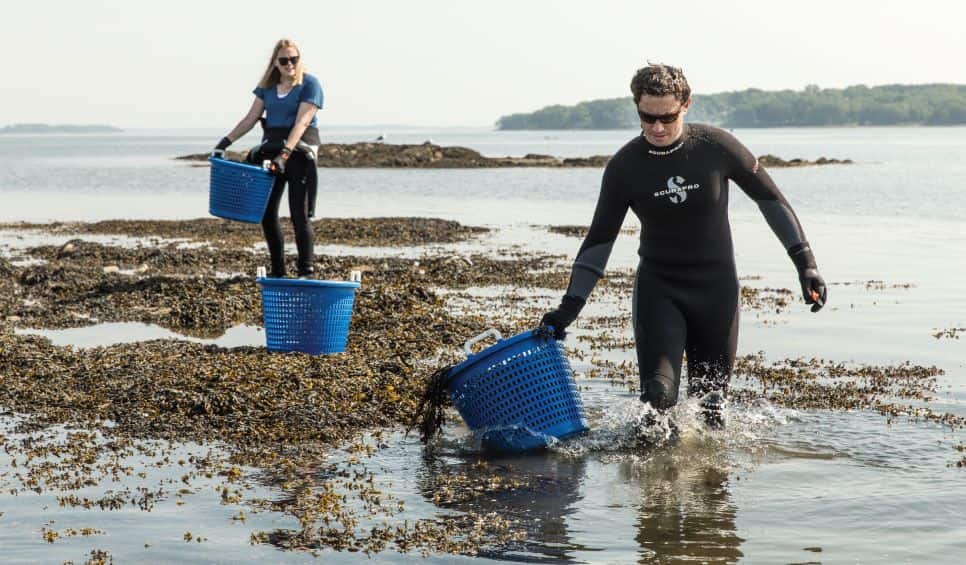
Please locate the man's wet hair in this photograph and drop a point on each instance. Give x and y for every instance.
(660, 80)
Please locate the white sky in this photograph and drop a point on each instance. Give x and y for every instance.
(445, 63)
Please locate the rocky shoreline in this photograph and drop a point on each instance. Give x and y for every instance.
(422, 156)
(431, 156)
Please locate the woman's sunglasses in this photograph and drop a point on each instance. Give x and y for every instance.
(286, 60)
(663, 118)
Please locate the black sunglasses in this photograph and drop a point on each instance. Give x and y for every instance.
(286, 60)
(663, 118)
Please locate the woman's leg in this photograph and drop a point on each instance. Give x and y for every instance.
(273, 229)
(300, 173)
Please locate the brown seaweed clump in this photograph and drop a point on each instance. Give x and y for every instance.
(177, 390)
(949, 333)
(214, 231)
(892, 390)
(195, 291)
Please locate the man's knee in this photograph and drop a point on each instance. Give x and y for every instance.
(660, 392)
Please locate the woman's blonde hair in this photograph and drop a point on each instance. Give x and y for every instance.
(272, 76)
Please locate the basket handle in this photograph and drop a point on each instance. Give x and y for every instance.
(468, 346)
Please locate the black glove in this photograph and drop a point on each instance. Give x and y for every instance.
(219, 150)
(278, 163)
(563, 316)
(814, 290)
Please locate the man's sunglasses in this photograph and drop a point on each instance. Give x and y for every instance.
(663, 118)
(286, 60)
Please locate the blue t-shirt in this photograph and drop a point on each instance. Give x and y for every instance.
(281, 112)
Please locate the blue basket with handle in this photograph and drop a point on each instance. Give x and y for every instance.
(518, 394)
(238, 191)
(310, 316)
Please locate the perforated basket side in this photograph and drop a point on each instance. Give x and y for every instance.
(308, 319)
(238, 192)
(520, 396)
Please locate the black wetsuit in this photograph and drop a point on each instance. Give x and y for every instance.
(301, 175)
(686, 295)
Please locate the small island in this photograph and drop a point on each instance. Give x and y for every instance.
(426, 155)
(431, 156)
(47, 128)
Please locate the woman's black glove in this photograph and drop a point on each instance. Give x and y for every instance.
(563, 316)
(219, 150)
(278, 163)
(814, 290)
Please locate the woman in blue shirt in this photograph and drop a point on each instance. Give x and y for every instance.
(289, 99)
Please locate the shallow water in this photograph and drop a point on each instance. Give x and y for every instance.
(778, 485)
(105, 334)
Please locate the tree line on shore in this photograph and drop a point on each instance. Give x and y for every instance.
(896, 104)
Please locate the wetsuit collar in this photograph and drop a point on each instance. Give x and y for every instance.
(661, 151)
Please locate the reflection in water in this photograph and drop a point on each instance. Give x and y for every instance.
(537, 491)
(686, 514)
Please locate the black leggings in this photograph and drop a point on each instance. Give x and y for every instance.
(686, 311)
(302, 179)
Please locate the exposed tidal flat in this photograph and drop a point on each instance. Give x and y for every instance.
(844, 434)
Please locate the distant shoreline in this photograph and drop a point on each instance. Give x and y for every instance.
(47, 128)
(910, 125)
(857, 105)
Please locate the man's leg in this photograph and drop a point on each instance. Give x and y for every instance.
(660, 332)
(711, 348)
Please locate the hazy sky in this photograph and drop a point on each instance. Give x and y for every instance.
(193, 64)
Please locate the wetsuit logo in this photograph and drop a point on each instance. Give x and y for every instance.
(677, 190)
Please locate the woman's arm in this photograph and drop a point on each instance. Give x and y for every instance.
(306, 112)
(248, 122)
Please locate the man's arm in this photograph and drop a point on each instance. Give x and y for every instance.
(755, 181)
(592, 258)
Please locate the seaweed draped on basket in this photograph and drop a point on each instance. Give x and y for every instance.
(517, 395)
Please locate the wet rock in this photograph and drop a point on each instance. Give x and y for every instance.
(773, 161)
(570, 231)
(598, 161)
(949, 333)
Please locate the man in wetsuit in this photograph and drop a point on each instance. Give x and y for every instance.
(686, 296)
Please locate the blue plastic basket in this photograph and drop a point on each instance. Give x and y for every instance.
(238, 191)
(307, 315)
(519, 394)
